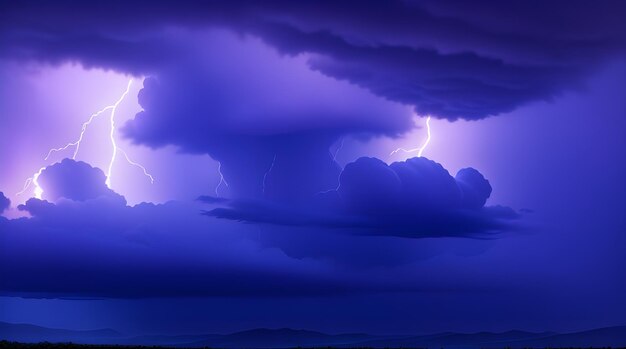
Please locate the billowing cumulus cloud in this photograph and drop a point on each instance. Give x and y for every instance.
(4, 202)
(253, 115)
(475, 189)
(74, 180)
(416, 198)
(222, 90)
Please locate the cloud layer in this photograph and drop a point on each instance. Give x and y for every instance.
(442, 57)
(273, 85)
(89, 243)
(253, 115)
(415, 198)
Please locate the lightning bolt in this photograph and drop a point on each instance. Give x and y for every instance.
(145, 172)
(268, 172)
(338, 149)
(80, 137)
(112, 133)
(222, 179)
(419, 150)
(38, 191)
(34, 180)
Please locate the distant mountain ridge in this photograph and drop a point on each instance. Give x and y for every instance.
(290, 338)
(285, 338)
(27, 332)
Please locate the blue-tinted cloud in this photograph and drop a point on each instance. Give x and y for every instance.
(89, 243)
(442, 57)
(4, 202)
(74, 180)
(253, 115)
(415, 198)
(102, 248)
(255, 85)
(475, 189)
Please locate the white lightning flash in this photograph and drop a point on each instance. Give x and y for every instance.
(419, 150)
(38, 191)
(34, 180)
(112, 133)
(145, 172)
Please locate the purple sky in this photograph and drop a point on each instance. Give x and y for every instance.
(268, 95)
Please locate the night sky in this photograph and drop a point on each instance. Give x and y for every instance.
(257, 164)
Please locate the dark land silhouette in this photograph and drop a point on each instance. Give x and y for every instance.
(31, 336)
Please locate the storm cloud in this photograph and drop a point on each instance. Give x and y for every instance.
(416, 198)
(4, 202)
(89, 243)
(443, 57)
(253, 115)
(74, 180)
(527, 108)
(312, 61)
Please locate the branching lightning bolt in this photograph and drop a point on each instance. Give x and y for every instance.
(222, 179)
(38, 191)
(80, 137)
(419, 150)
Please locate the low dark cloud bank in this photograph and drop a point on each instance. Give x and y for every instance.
(89, 243)
(415, 198)
(84, 241)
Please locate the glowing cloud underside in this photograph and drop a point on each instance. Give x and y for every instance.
(38, 191)
(419, 150)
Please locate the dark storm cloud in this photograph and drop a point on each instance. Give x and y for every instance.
(102, 248)
(416, 198)
(89, 243)
(4, 202)
(452, 86)
(253, 115)
(443, 57)
(333, 68)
